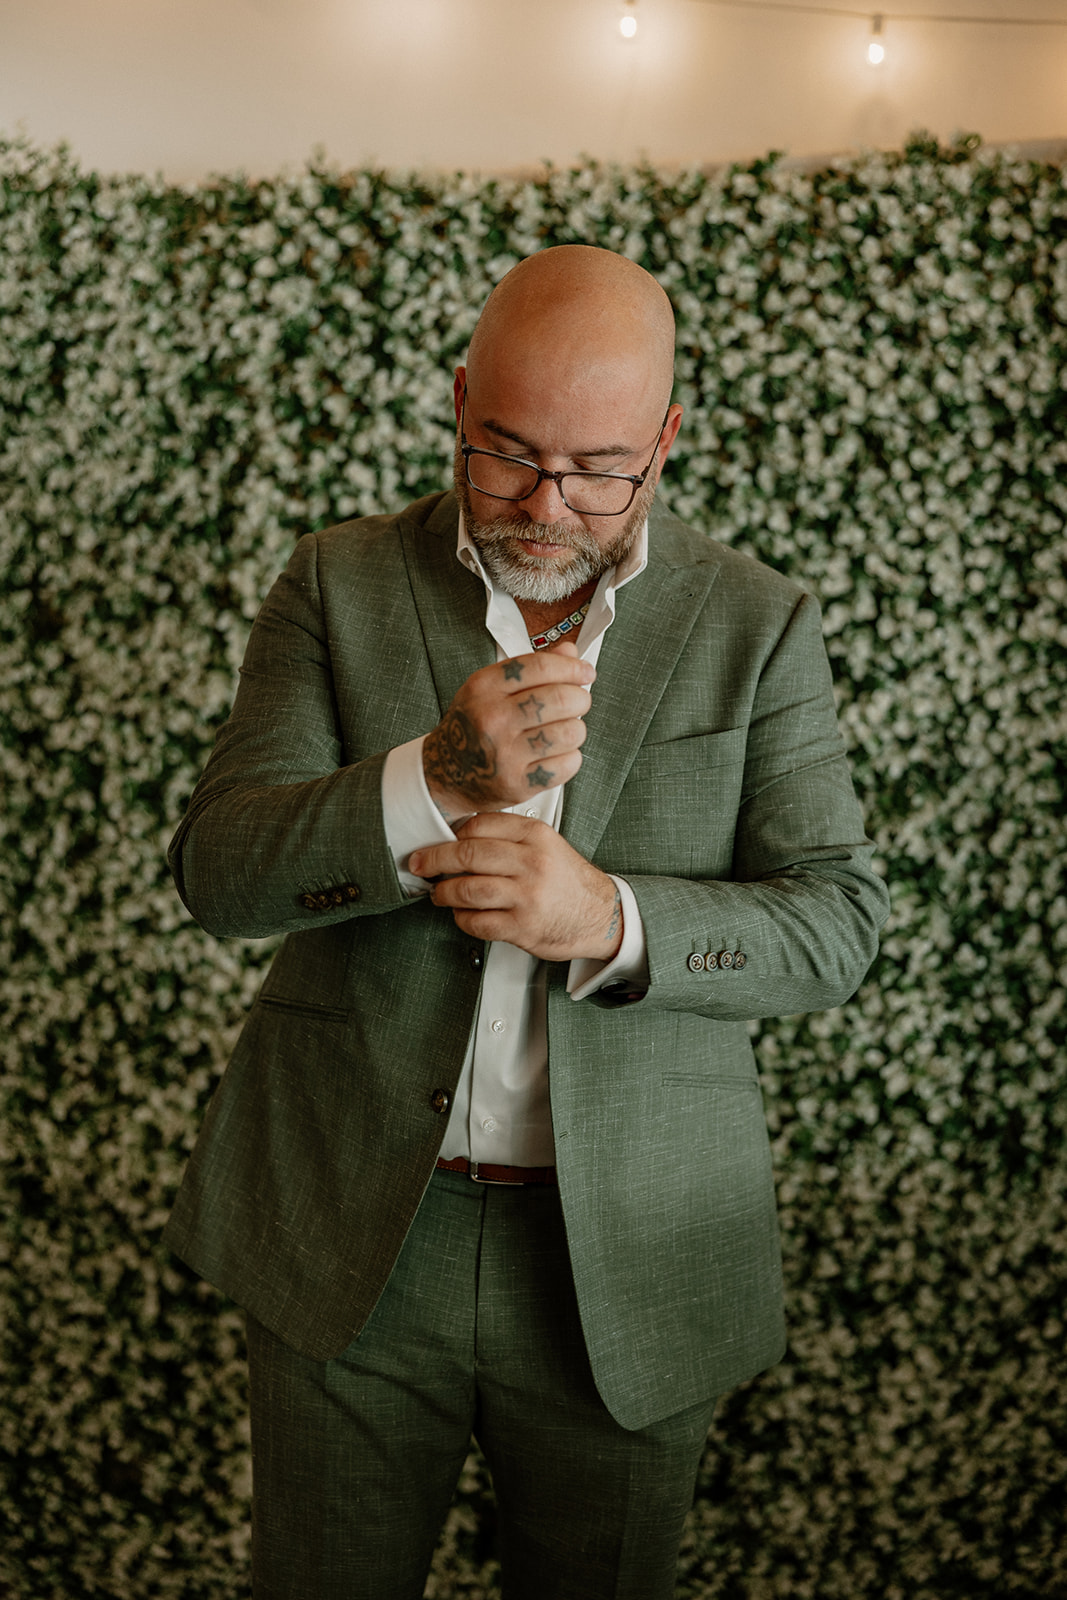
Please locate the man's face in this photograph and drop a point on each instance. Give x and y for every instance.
(546, 562)
(538, 549)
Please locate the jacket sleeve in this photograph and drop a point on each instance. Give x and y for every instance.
(284, 831)
(797, 918)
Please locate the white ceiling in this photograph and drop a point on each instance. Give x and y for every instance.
(194, 86)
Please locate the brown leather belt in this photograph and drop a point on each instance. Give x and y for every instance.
(482, 1172)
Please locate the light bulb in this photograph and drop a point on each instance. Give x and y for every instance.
(876, 49)
(628, 25)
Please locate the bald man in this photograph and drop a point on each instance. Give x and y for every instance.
(547, 792)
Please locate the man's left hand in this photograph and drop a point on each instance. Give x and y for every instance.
(514, 878)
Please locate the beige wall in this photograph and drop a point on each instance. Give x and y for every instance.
(194, 86)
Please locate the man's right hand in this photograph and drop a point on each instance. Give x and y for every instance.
(513, 730)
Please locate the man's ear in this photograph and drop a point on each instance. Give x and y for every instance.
(670, 433)
(459, 389)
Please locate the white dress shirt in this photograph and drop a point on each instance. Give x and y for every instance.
(500, 1113)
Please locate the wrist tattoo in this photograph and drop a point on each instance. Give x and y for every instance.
(616, 918)
(513, 669)
(455, 756)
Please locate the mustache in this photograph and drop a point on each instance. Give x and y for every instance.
(504, 530)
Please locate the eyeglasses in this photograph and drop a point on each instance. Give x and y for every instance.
(591, 494)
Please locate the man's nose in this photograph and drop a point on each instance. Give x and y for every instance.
(546, 504)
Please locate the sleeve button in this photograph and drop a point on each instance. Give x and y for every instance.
(695, 962)
(726, 958)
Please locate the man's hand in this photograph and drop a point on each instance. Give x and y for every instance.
(513, 730)
(514, 878)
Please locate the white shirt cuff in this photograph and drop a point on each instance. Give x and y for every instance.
(410, 816)
(630, 965)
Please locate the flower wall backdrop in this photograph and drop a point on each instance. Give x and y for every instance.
(873, 359)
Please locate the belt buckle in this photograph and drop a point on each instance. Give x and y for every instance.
(492, 1183)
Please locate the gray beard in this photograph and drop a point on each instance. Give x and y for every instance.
(542, 579)
(538, 578)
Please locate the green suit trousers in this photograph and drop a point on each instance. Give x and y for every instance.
(355, 1459)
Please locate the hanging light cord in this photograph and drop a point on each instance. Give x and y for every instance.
(888, 16)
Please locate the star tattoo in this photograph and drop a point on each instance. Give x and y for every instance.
(532, 706)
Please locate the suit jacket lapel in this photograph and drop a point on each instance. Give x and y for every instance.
(654, 617)
(450, 601)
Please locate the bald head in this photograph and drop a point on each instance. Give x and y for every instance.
(582, 325)
(570, 369)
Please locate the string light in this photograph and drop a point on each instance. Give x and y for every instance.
(876, 49)
(628, 21)
(889, 16)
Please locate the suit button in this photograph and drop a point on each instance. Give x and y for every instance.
(440, 1100)
(695, 963)
(726, 958)
(474, 956)
(739, 960)
(711, 961)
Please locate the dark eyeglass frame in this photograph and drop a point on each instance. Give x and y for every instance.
(635, 480)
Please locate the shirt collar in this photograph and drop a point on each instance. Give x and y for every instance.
(504, 619)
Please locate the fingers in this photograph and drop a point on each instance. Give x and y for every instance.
(514, 878)
(514, 729)
(562, 665)
(484, 846)
(531, 694)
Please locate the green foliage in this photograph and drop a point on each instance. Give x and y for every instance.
(873, 360)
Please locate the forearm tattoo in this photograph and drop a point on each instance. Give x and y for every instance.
(456, 756)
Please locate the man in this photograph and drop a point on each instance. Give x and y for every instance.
(548, 792)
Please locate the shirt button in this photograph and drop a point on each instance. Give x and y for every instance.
(498, 1024)
(532, 813)
(488, 1125)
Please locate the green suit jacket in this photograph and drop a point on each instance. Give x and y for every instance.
(713, 778)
